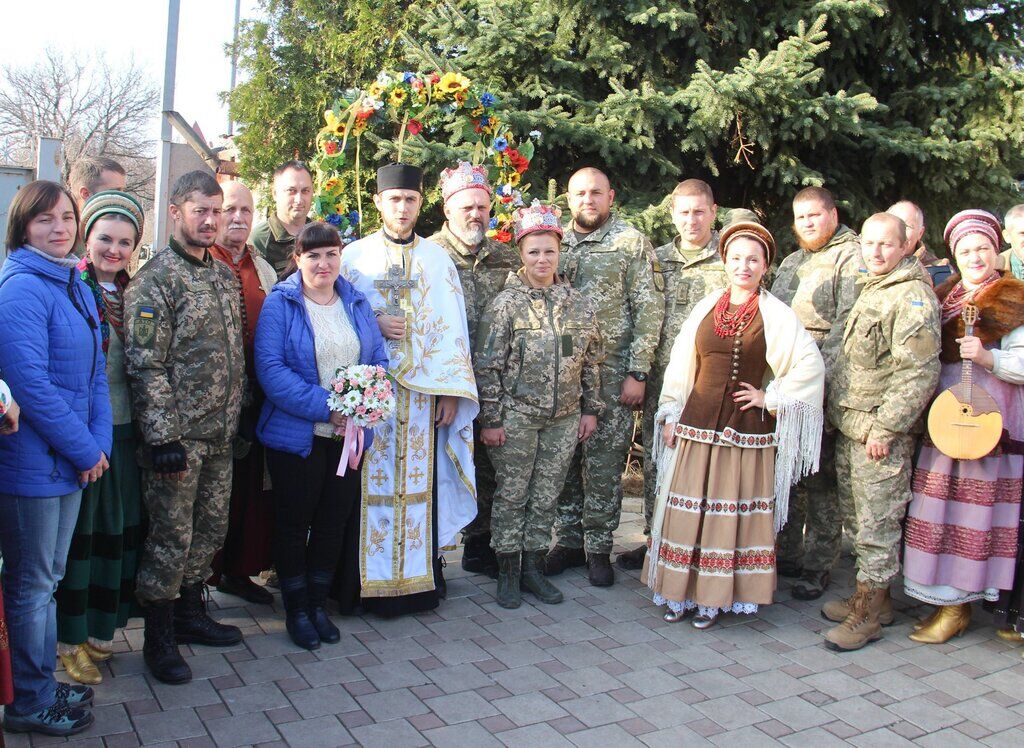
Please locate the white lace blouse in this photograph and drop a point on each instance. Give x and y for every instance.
(336, 344)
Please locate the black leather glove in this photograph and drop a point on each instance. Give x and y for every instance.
(169, 458)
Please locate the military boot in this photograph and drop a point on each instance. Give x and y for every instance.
(599, 570)
(478, 556)
(318, 583)
(160, 651)
(561, 558)
(633, 559)
(295, 596)
(861, 626)
(837, 610)
(193, 625)
(533, 579)
(508, 593)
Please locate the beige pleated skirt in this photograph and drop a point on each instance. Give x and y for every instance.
(717, 549)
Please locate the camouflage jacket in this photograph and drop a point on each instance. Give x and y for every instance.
(887, 363)
(821, 286)
(482, 273)
(274, 244)
(183, 348)
(538, 353)
(686, 283)
(616, 269)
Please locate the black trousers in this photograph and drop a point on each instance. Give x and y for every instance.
(314, 508)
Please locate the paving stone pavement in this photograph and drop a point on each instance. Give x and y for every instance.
(601, 669)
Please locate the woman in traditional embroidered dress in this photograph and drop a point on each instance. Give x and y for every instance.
(731, 450)
(961, 536)
(97, 594)
(312, 324)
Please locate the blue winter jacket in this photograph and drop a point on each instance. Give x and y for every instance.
(286, 363)
(52, 359)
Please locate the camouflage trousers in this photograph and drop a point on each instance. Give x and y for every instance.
(875, 493)
(485, 487)
(648, 435)
(591, 501)
(187, 519)
(530, 467)
(814, 505)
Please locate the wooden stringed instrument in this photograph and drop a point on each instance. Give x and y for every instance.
(964, 422)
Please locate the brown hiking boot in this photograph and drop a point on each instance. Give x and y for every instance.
(861, 626)
(561, 558)
(837, 610)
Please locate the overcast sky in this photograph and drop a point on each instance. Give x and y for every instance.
(123, 29)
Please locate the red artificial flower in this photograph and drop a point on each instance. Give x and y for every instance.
(519, 162)
(365, 113)
(417, 84)
(506, 199)
(415, 127)
(503, 236)
(476, 126)
(331, 147)
(435, 77)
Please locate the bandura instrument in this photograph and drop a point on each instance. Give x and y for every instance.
(964, 421)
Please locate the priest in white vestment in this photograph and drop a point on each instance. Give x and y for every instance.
(418, 478)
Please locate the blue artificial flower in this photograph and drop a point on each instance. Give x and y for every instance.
(493, 224)
(484, 121)
(334, 219)
(500, 144)
(488, 99)
(504, 190)
(407, 76)
(353, 217)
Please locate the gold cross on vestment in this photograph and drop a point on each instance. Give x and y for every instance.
(416, 475)
(391, 288)
(422, 400)
(379, 477)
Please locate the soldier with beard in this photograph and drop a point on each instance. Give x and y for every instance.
(614, 266)
(183, 347)
(818, 282)
(483, 265)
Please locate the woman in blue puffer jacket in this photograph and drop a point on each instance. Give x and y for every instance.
(52, 360)
(312, 324)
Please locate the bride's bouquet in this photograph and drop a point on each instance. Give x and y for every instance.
(365, 396)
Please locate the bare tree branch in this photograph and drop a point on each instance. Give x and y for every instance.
(92, 108)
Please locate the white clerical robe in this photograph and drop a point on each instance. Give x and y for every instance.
(396, 544)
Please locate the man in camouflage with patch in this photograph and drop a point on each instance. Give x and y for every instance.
(692, 269)
(819, 282)
(183, 346)
(614, 266)
(483, 265)
(886, 369)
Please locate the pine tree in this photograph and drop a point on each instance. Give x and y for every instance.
(874, 100)
(296, 58)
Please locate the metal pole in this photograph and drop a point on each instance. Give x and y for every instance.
(163, 156)
(234, 62)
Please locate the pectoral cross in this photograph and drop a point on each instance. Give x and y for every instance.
(391, 288)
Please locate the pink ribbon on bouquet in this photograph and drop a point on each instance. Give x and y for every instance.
(352, 450)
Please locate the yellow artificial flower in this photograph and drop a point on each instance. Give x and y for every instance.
(374, 90)
(513, 179)
(452, 83)
(477, 112)
(332, 185)
(397, 97)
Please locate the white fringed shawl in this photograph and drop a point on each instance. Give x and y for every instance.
(794, 394)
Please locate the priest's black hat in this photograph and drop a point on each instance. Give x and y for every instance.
(399, 177)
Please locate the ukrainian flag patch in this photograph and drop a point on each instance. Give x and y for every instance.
(146, 312)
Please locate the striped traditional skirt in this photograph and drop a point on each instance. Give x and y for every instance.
(962, 524)
(717, 550)
(97, 594)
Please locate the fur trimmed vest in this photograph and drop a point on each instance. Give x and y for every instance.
(1000, 312)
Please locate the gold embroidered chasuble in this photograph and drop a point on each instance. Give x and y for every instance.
(396, 544)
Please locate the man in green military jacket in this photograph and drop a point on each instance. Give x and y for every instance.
(483, 265)
(274, 240)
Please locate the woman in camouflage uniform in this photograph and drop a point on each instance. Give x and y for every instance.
(537, 361)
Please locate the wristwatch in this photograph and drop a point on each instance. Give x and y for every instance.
(638, 376)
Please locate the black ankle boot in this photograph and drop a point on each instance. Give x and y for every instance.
(160, 651)
(533, 579)
(318, 583)
(478, 556)
(294, 595)
(508, 593)
(193, 625)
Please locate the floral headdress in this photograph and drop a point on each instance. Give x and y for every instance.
(465, 176)
(538, 217)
